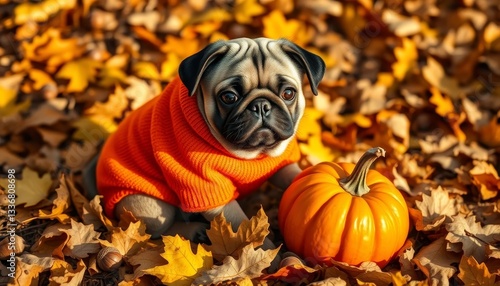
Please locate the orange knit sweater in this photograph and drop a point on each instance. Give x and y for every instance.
(165, 149)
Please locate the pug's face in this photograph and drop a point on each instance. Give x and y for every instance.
(250, 93)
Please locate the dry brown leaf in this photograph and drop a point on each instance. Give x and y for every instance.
(93, 214)
(83, 240)
(26, 274)
(128, 241)
(485, 177)
(473, 273)
(436, 262)
(472, 236)
(250, 264)
(435, 75)
(437, 209)
(52, 241)
(226, 242)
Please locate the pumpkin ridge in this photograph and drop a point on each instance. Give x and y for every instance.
(313, 221)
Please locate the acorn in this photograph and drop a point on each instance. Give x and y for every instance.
(11, 244)
(109, 259)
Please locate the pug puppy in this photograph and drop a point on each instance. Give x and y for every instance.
(217, 132)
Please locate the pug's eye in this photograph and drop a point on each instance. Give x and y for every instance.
(288, 93)
(229, 97)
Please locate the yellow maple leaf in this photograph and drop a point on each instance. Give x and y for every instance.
(40, 12)
(31, 189)
(406, 56)
(63, 273)
(443, 104)
(183, 265)
(226, 242)
(40, 79)
(112, 71)
(316, 151)
(276, 26)
(113, 107)
(309, 124)
(60, 204)
(9, 86)
(180, 46)
(244, 10)
(94, 128)
(52, 49)
(79, 72)
(147, 70)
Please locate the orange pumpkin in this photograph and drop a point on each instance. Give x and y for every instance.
(344, 211)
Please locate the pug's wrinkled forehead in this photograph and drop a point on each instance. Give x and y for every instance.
(242, 54)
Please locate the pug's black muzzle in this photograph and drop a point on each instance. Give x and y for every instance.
(262, 123)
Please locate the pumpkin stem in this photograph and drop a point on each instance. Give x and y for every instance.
(355, 183)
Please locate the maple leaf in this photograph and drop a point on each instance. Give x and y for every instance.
(316, 151)
(113, 70)
(183, 266)
(9, 87)
(40, 79)
(26, 273)
(52, 241)
(146, 259)
(438, 208)
(62, 273)
(276, 26)
(128, 242)
(406, 56)
(436, 262)
(227, 242)
(60, 204)
(114, 107)
(83, 240)
(472, 236)
(485, 177)
(31, 189)
(435, 75)
(79, 72)
(244, 10)
(250, 264)
(94, 128)
(93, 214)
(473, 273)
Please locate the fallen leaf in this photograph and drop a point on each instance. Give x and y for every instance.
(62, 273)
(406, 56)
(30, 189)
(27, 274)
(9, 87)
(485, 177)
(128, 241)
(250, 264)
(276, 26)
(146, 259)
(473, 273)
(60, 206)
(436, 262)
(401, 26)
(183, 266)
(437, 209)
(52, 241)
(245, 10)
(472, 236)
(79, 72)
(114, 107)
(93, 214)
(226, 242)
(435, 75)
(83, 240)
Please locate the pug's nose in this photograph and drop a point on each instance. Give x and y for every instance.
(260, 107)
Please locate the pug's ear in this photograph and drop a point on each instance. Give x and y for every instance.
(312, 64)
(191, 69)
